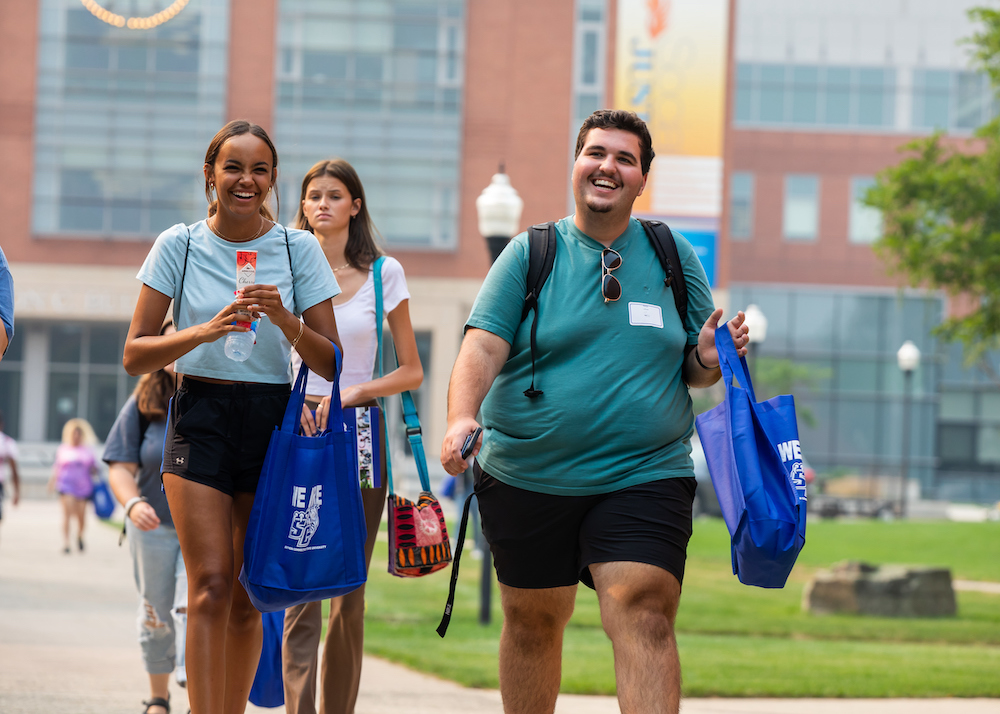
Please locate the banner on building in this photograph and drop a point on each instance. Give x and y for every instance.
(670, 69)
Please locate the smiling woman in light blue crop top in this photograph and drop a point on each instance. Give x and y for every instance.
(223, 412)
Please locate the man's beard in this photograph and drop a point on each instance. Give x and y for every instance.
(602, 207)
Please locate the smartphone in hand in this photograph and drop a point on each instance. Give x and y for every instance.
(470, 442)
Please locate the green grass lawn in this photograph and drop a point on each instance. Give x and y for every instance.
(736, 640)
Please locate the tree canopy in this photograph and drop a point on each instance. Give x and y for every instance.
(941, 211)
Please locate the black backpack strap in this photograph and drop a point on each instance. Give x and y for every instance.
(180, 293)
(666, 250)
(541, 256)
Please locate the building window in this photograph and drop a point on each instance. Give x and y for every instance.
(931, 98)
(801, 215)
(123, 118)
(381, 85)
(740, 205)
(10, 384)
(589, 66)
(865, 221)
(815, 96)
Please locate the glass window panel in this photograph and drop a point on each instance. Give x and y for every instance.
(586, 104)
(837, 99)
(368, 67)
(80, 217)
(814, 421)
(320, 66)
(126, 217)
(860, 323)
(132, 59)
(77, 183)
(740, 205)
(871, 97)
(971, 98)
(66, 343)
(744, 91)
(772, 93)
(856, 428)
(102, 403)
(64, 402)
(10, 400)
(106, 344)
(865, 221)
(856, 375)
(177, 59)
(989, 445)
(801, 214)
(588, 73)
(805, 95)
(932, 90)
(86, 55)
(813, 322)
(957, 444)
(989, 406)
(415, 35)
(957, 406)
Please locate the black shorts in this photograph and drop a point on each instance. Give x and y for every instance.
(217, 434)
(539, 540)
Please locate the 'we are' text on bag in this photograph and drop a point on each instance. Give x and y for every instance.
(306, 535)
(755, 462)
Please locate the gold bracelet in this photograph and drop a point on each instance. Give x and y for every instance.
(302, 328)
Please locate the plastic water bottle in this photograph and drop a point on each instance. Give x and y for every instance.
(239, 344)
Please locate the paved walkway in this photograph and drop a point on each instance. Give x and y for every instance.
(68, 644)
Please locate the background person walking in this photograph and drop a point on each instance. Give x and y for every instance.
(133, 451)
(73, 476)
(8, 465)
(333, 207)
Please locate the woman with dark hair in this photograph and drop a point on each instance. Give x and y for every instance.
(224, 411)
(132, 451)
(333, 208)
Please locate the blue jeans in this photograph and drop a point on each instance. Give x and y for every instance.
(162, 583)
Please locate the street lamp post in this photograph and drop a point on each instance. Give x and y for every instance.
(908, 359)
(756, 322)
(499, 211)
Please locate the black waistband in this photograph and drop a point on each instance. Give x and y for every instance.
(236, 390)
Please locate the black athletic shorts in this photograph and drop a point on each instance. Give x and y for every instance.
(217, 434)
(539, 540)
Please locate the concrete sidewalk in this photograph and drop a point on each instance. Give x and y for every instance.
(68, 643)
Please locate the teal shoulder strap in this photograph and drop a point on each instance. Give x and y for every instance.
(411, 420)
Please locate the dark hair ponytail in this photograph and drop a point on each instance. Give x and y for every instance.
(239, 127)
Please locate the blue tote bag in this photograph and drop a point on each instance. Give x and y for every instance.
(306, 535)
(104, 502)
(755, 463)
(268, 688)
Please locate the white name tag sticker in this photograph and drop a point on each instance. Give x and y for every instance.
(645, 315)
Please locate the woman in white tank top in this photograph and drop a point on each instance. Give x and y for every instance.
(333, 207)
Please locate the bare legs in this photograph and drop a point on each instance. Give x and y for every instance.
(73, 508)
(223, 627)
(638, 607)
(531, 647)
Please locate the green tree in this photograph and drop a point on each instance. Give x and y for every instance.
(941, 211)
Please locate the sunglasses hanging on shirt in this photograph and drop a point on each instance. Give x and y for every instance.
(611, 289)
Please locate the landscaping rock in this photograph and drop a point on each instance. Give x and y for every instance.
(886, 591)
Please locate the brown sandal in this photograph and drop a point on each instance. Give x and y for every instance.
(156, 702)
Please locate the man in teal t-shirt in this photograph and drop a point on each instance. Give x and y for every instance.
(591, 480)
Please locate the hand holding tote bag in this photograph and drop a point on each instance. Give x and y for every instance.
(755, 462)
(306, 535)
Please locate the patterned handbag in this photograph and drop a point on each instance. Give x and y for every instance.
(418, 536)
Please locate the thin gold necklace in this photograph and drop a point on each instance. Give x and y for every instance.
(216, 231)
(345, 265)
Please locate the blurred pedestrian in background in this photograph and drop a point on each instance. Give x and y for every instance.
(133, 451)
(73, 476)
(332, 205)
(224, 411)
(8, 463)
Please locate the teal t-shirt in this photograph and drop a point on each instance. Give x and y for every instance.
(615, 411)
(210, 283)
